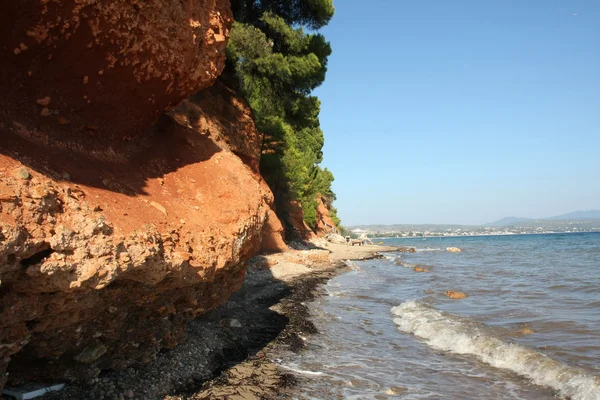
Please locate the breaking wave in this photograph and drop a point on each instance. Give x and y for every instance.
(463, 336)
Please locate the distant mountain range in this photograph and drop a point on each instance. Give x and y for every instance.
(572, 216)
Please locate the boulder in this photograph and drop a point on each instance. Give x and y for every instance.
(335, 238)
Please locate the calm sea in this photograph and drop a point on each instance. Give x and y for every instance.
(389, 332)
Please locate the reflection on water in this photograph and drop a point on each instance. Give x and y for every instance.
(529, 328)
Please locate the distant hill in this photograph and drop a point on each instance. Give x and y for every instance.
(572, 216)
(508, 221)
(578, 215)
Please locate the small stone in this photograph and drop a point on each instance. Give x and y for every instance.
(44, 102)
(182, 221)
(21, 173)
(85, 80)
(525, 331)
(101, 72)
(23, 47)
(63, 121)
(453, 250)
(234, 323)
(45, 112)
(91, 354)
(17, 51)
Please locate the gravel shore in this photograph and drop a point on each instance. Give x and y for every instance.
(230, 350)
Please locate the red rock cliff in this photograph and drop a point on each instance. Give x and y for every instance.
(92, 68)
(107, 251)
(325, 224)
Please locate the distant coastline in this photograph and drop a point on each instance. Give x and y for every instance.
(481, 235)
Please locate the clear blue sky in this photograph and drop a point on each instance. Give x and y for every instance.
(462, 111)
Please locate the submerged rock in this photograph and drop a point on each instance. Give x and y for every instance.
(453, 250)
(455, 295)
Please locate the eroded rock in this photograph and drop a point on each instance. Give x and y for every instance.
(114, 65)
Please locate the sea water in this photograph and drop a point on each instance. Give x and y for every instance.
(529, 328)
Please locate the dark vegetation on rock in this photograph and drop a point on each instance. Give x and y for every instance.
(277, 65)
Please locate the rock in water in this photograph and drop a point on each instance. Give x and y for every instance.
(453, 250)
(455, 295)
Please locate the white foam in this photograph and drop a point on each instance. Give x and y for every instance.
(460, 335)
(301, 371)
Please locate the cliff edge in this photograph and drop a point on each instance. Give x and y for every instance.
(118, 223)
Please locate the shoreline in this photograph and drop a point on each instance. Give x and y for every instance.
(466, 236)
(230, 349)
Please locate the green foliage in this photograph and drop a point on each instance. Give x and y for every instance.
(277, 65)
(311, 13)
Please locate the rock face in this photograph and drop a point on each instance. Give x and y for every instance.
(107, 251)
(298, 230)
(104, 272)
(325, 224)
(67, 68)
(272, 235)
(219, 113)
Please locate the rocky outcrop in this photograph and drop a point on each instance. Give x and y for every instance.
(69, 68)
(221, 114)
(325, 224)
(106, 251)
(103, 271)
(272, 235)
(298, 228)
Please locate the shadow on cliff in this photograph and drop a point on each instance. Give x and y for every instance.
(125, 169)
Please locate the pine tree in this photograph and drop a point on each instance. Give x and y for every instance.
(277, 65)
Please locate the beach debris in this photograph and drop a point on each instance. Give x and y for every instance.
(31, 390)
(453, 250)
(455, 295)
